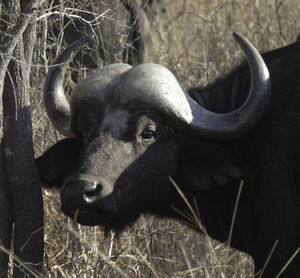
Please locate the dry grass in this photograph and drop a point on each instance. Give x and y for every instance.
(193, 38)
(151, 248)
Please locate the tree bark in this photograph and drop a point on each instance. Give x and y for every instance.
(20, 187)
(6, 218)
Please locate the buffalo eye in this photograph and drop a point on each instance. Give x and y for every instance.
(148, 134)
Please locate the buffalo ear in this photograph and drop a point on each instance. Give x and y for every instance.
(206, 166)
(59, 161)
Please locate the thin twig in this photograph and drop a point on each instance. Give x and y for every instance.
(196, 219)
(234, 212)
(186, 259)
(288, 262)
(268, 259)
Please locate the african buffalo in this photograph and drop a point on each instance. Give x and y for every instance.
(131, 129)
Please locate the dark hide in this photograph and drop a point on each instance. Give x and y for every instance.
(59, 161)
(131, 160)
(269, 208)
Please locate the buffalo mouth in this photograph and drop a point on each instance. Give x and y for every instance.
(87, 217)
(91, 213)
(109, 221)
(104, 212)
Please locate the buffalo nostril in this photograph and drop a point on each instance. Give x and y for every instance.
(92, 191)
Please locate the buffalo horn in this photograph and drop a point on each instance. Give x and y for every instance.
(221, 127)
(57, 106)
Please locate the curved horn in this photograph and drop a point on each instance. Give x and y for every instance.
(157, 88)
(221, 127)
(57, 106)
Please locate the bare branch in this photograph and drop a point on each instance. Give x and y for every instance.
(9, 43)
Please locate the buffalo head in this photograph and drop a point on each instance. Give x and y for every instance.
(128, 128)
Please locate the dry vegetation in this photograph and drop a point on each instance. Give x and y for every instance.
(193, 38)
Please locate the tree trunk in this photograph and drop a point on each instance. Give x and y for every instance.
(6, 218)
(20, 188)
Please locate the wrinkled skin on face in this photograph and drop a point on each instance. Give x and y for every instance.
(122, 169)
